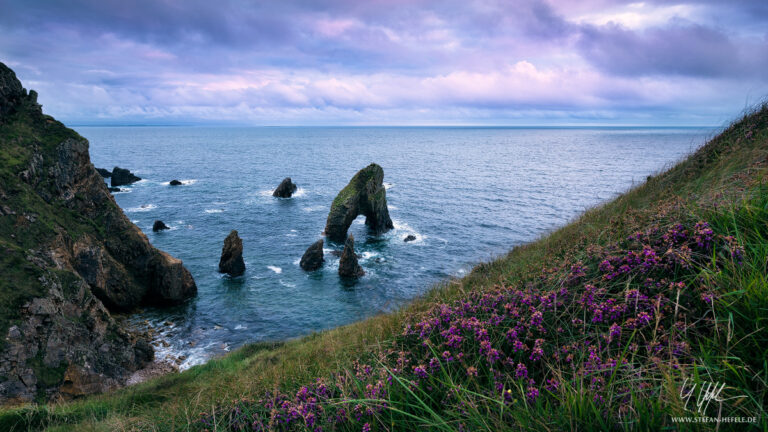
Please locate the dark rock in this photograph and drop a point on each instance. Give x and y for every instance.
(231, 261)
(175, 183)
(409, 238)
(285, 189)
(365, 194)
(104, 173)
(114, 189)
(66, 343)
(159, 226)
(348, 266)
(121, 176)
(313, 257)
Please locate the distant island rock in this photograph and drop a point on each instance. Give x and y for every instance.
(231, 261)
(73, 260)
(104, 172)
(159, 226)
(313, 257)
(175, 183)
(348, 265)
(122, 176)
(285, 189)
(365, 194)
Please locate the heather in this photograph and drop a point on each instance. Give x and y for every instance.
(608, 323)
(604, 330)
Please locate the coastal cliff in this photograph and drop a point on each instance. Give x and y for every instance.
(69, 256)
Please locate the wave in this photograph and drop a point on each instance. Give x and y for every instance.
(275, 269)
(209, 211)
(286, 284)
(402, 230)
(141, 208)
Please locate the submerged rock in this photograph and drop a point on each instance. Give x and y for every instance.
(231, 261)
(175, 183)
(285, 189)
(365, 194)
(348, 266)
(409, 238)
(114, 189)
(159, 226)
(121, 176)
(313, 257)
(104, 172)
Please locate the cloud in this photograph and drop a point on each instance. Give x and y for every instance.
(383, 60)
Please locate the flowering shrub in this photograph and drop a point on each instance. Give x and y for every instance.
(607, 325)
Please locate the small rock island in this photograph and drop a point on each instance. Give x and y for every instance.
(313, 257)
(231, 261)
(286, 189)
(348, 265)
(365, 194)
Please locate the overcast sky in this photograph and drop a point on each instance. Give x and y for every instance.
(390, 62)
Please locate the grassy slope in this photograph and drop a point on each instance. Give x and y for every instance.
(725, 169)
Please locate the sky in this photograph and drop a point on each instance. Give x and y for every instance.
(390, 62)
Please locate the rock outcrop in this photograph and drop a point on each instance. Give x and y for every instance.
(175, 183)
(231, 261)
(68, 255)
(348, 265)
(365, 194)
(159, 226)
(409, 238)
(104, 172)
(122, 176)
(285, 189)
(313, 257)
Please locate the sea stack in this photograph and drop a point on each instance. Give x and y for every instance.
(285, 189)
(159, 226)
(365, 194)
(231, 261)
(121, 176)
(348, 266)
(313, 257)
(175, 183)
(104, 172)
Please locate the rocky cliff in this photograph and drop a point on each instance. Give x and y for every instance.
(68, 256)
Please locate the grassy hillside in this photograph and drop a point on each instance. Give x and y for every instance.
(611, 322)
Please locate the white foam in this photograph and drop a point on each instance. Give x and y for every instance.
(300, 192)
(277, 270)
(188, 182)
(368, 255)
(291, 235)
(241, 327)
(141, 208)
(388, 185)
(209, 211)
(313, 208)
(391, 207)
(297, 262)
(402, 230)
(286, 284)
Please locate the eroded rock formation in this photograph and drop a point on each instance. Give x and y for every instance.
(313, 257)
(365, 194)
(159, 226)
(68, 254)
(348, 265)
(285, 189)
(231, 261)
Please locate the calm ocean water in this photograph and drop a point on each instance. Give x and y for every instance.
(467, 194)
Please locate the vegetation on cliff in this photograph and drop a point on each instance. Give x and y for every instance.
(607, 323)
(66, 252)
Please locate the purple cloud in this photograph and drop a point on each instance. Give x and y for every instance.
(429, 61)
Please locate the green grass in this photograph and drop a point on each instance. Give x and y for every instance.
(723, 183)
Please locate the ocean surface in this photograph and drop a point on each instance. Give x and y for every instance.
(467, 194)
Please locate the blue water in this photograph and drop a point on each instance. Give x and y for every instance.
(467, 194)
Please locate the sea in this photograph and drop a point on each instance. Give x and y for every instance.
(468, 195)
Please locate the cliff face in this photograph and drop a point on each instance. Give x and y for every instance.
(68, 255)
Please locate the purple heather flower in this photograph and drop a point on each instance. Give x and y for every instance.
(366, 427)
(420, 372)
(643, 319)
(521, 371)
(532, 394)
(615, 332)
